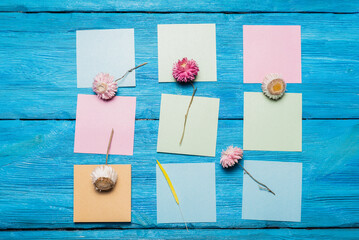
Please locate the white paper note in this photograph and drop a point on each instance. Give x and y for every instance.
(109, 51)
(194, 41)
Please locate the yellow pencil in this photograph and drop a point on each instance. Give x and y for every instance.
(172, 189)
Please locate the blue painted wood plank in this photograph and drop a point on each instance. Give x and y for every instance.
(347, 6)
(38, 62)
(255, 234)
(37, 161)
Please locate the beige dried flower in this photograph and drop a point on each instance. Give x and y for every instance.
(273, 86)
(104, 178)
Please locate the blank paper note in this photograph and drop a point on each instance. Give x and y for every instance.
(284, 179)
(201, 130)
(194, 41)
(271, 49)
(270, 125)
(95, 119)
(109, 51)
(93, 206)
(195, 186)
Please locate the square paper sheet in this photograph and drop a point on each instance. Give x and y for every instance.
(109, 51)
(201, 130)
(93, 206)
(195, 186)
(194, 41)
(272, 125)
(95, 119)
(271, 49)
(284, 179)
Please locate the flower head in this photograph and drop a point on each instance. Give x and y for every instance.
(104, 178)
(185, 70)
(231, 156)
(273, 86)
(104, 86)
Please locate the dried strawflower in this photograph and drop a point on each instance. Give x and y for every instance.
(232, 156)
(104, 178)
(185, 70)
(273, 86)
(105, 86)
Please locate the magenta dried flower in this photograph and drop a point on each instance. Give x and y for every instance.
(231, 156)
(185, 70)
(104, 86)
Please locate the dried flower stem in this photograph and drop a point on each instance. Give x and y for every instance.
(185, 118)
(185, 223)
(267, 188)
(109, 145)
(124, 75)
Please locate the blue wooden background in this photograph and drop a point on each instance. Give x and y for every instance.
(38, 102)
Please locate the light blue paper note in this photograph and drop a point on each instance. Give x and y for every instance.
(109, 51)
(284, 179)
(195, 185)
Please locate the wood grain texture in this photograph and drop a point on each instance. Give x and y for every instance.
(347, 6)
(255, 234)
(38, 62)
(38, 81)
(37, 175)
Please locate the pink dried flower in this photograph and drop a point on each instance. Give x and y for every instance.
(231, 156)
(104, 86)
(185, 70)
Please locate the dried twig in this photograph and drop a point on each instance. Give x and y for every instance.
(124, 75)
(261, 184)
(185, 118)
(109, 145)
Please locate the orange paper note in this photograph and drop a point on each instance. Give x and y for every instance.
(93, 206)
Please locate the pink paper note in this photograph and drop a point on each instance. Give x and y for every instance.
(271, 49)
(94, 120)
